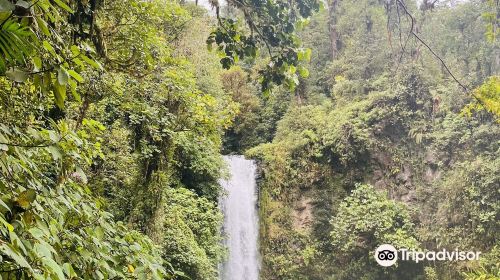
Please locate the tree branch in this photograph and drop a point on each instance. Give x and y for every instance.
(412, 32)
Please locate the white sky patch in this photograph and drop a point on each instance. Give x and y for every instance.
(206, 4)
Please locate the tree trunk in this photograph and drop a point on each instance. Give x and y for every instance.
(332, 25)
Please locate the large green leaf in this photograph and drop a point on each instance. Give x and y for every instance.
(23, 4)
(17, 75)
(54, 267)
(26, 198)
(62, 76)
(60, 94)
(8, 250)
(6, 6)
(15, 44)
(63, 5)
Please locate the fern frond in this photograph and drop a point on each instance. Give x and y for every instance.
(16, 44)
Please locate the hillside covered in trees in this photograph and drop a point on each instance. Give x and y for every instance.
(371, 122)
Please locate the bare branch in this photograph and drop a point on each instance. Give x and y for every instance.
(412, 28)
(412, 32)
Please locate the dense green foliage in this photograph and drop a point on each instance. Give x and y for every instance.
(364, 220)
(273, 25)
(117, 179)
(381, 145)
(114, 116)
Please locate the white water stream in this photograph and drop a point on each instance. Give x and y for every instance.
(241, 224)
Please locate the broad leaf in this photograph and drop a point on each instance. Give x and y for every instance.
(62, 76)
(6, 6)
(17, 75)
(26, 198)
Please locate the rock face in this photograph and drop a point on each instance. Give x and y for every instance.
(303, 215)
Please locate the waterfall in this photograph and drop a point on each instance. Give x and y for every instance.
(241, 225)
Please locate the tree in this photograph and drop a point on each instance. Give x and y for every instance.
(272, 25)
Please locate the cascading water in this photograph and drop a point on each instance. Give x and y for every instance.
(241, 224)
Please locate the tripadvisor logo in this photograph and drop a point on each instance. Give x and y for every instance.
(386, 255)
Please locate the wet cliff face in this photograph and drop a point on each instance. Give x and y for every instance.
(241, 226)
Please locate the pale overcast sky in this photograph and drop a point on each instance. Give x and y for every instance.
(206, 4)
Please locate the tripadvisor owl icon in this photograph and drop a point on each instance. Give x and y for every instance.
(386, 255)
